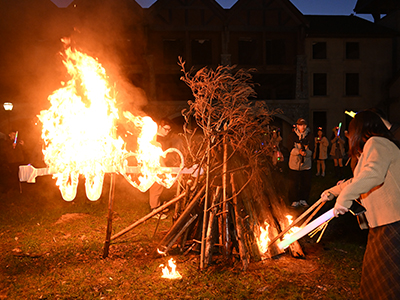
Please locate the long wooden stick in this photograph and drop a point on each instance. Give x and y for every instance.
(145, 218)
(110, 216)
(188, 223)
(183, 218)
(239, 229)
(203, 233)
(210, 229)
(225, 221)
(313, 214)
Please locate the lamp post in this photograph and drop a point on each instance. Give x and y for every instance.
(8, 106)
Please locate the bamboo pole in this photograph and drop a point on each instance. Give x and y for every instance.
(211, 221)
(177, 204)
(148, 216)
(110, 216)
(239, 229)
(182, 219)
(203, 233)
(183, 229)
(225, 220)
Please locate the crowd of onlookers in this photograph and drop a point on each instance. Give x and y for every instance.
(309, 152)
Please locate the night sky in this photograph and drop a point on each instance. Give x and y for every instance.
(307, 7)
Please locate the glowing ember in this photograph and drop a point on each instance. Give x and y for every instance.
(170, 273)
(78, 129)
(263, 239)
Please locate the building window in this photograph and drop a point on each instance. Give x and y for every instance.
(249, 51)
(352, 50)
(319, 50)
(319, 84)
(275, 86)
(171, 88)
(352, 84)
(275, 52)
(201, 52)
(172, 49)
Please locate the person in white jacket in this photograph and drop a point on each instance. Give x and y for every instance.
(376, 183)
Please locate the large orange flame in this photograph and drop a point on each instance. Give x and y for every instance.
(79, 134)
(78, 129)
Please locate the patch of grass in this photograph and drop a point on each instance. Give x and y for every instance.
(48, 256)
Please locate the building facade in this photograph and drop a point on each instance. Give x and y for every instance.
(315, 67)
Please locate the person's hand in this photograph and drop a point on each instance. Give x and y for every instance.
(339, 210)
(327, 196)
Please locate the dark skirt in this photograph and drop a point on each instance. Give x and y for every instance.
(380, 277)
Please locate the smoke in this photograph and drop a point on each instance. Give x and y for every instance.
(30, 62)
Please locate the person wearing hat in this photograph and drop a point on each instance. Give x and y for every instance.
(301, 142)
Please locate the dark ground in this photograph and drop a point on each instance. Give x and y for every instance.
(330, 270)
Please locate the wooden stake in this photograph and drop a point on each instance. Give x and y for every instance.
(110, 216)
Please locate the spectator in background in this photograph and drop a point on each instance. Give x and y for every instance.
(337, 152)
(300, 161)
(321, 152)
(376, 183)
(15, 156)
(277, 155)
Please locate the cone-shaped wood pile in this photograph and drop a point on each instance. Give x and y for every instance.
(225, 210)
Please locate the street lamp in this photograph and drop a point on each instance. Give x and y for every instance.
(8, 106)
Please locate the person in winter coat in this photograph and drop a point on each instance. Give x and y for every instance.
(321, 151)
(376, 182)
(300, 161)
(337, 151)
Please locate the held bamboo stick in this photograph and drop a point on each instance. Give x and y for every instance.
(314, 224)
(295, 222)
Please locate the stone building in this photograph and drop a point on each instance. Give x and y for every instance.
(315, 67)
